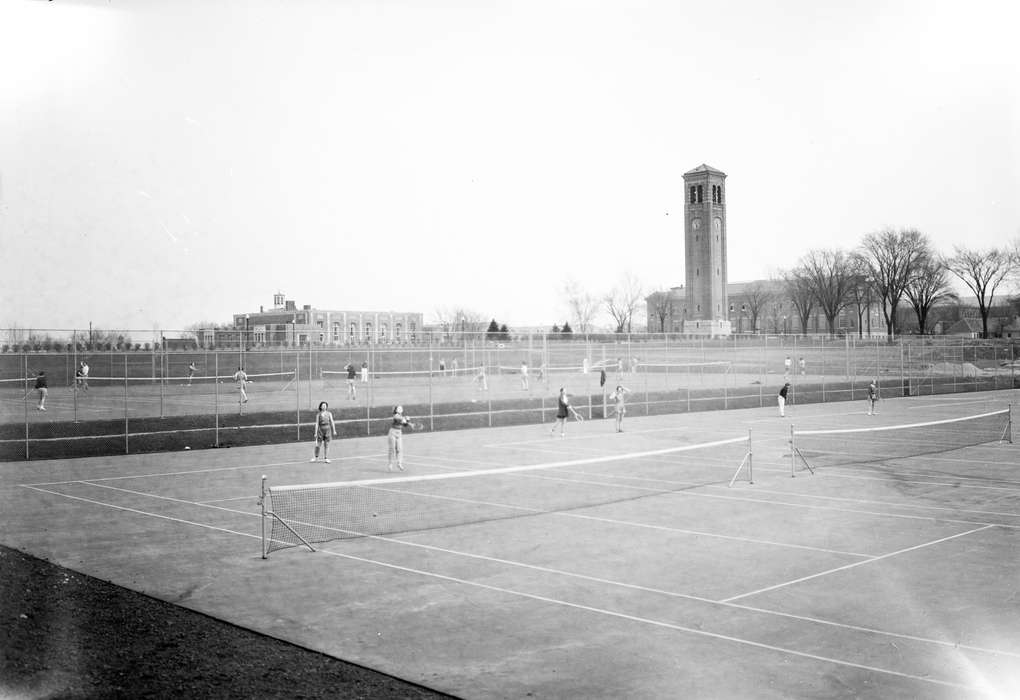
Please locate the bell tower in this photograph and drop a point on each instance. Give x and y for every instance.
(705, 251)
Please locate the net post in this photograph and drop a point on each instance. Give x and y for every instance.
(262, 520)
(750, 458)
(793, 457)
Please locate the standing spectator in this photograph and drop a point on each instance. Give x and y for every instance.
(41, 385)
(782, 399)
(524, 375)
(872, 399)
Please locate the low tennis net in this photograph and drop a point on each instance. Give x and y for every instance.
(810, 449)
(309, 514)
(275, 380)
(407, 377)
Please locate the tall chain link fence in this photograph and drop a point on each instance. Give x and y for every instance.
(136, 399)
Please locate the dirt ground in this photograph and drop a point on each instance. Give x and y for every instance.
(66, 635)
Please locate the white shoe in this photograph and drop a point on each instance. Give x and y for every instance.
(400, 467)
(326, 461)
(314, 459)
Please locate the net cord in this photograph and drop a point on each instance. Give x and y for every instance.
(503, 470)
(840, 431)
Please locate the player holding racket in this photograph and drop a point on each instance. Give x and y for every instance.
(325, 430)
(872, 399)
(396, 437)
(563, 411)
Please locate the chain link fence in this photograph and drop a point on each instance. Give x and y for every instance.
(163, 399)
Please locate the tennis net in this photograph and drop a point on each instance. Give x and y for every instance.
(315, 513)
(408, 377)
(272, 379)
(810, 449)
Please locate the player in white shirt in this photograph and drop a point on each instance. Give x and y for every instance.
(241, 378)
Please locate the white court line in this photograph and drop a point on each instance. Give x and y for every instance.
(855, 564)
(545, 434)
(552, 601)
(196, 471)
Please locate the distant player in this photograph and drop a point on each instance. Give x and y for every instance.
(396, 437)
(481, 381)
(803, 366)
(619, 408)
(619, 367)
(782, 399)
(455, 365)
(364, 372)
(352, 374)
(563, 411)
(524, 375)
(81, 377)
(442, 365)
(325, 430)
(787, 364)
(633, 365)
(602, 377)
(872, 399)
(541, 372)
(192, 369)
(242, 379)
(41, 388)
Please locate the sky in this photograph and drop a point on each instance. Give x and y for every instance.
(165, 163)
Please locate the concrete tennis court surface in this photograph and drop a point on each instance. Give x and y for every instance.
(883, 580)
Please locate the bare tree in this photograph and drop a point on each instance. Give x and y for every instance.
(660, 308)
(584, 306)
(758, 294)
(983, 271)
(829, 274)
(461, 322)
(799, 289)
(623, 301)
(928, 287)
(891, 258)
(861, 292)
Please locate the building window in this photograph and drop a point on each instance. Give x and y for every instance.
(368, 332)
(336, 333)
(322, 338)
(693, 193)
(700, 193)
(382, 331)
(397, 328)
(697, 272)
(319, 324)
(413, 327)
(354, 332)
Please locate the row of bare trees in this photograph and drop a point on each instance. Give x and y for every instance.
(623, 303)
(890, 267)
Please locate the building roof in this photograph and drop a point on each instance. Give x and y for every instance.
(705, 168)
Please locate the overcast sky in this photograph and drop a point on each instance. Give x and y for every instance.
(176, 161)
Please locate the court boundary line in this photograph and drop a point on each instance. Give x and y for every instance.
(856, 564)
(545, 599)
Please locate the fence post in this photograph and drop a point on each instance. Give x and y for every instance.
(24, 399)
(125, 405)
(216, 399)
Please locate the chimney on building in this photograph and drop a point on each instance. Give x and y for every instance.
(307, 307)
(261, 309)
(278, 300)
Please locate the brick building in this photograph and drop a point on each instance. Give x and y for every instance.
(286, 324)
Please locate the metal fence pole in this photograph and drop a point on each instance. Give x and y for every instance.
(24, 399)
(216, 394)
(125, 405)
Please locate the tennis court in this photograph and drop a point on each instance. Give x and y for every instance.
(597, 564)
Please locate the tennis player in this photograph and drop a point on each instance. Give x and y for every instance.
(872, 399)
(787, 363)
(563, 411)
(396, 437)
(325, 430)
(524, 375)
(81, 377)
(191, 372)
(41, 388)
(352, 374)
(364, 372)
(241, 378)
(619, 408)
(782, 399)
(483, 384)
